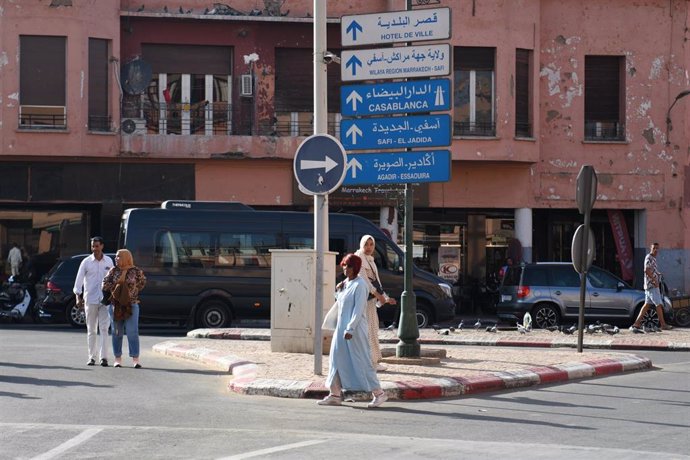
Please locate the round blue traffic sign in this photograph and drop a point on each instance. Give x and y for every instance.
(319, 164)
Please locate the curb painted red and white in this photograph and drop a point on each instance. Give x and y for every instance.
(246, 382)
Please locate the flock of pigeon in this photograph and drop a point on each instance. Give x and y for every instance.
(595, 328)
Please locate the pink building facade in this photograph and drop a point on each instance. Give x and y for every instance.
(109, 105)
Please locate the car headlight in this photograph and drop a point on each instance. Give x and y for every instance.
(446, 289)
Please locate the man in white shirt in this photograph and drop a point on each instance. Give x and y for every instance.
(87, 287)
(15, 259)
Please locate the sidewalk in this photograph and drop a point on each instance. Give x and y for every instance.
(476, 361)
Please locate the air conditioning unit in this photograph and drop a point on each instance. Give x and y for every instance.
(246, 86)
(133, 126)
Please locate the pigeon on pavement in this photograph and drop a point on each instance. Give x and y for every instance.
(570, 330)
(612, 331)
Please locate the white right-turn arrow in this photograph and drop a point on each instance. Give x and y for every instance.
(327, 164)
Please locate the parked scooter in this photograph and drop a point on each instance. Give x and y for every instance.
(16, 300)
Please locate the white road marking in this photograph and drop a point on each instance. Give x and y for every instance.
(272, 450)
(75, 441)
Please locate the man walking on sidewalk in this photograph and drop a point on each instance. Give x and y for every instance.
(87, 287)
(652, 293)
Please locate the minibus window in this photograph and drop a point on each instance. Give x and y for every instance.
(245, 249)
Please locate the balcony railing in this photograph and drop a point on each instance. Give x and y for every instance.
(215, 119)
(99, 123)
(466, 128)
(604, 131)
(42, 117)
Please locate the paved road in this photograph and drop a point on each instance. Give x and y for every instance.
(53, 406)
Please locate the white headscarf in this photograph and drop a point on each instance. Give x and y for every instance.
(367, 259)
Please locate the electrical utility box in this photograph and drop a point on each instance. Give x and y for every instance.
(293, 294)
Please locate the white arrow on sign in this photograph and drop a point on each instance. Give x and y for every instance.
(328, 164)
(353, 132)
(353, 98)
(353, 165)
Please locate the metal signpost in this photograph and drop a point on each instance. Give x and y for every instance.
(401, 97)
(408, 131)
(583, 245)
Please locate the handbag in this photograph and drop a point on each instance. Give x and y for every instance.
(122, 304)
(374, 282)
(105, 300)
(330, 321)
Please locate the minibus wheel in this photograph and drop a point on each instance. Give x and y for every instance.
(213, 314)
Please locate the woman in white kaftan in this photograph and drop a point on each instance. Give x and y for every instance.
(367, 248)
(350, 365)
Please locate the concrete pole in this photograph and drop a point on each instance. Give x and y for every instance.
(320, 201)
(523, 232)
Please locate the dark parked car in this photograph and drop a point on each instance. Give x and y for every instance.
(550, 292)
(59, 303)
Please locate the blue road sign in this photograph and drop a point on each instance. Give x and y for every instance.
(396, 132)
(396, 62)
(319, 164)
(397, 167)
(403, 97)
(395, 26)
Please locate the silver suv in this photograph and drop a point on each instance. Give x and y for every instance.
(550, 292)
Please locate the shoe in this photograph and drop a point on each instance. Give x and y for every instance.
(377, 401)
(91, 362)
(118, 362)
(381, 367)
(104, 362)
(667, 327)
(331, 400)
(636, 330)
(137, 366)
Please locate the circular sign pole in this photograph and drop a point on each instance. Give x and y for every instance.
(586, 195)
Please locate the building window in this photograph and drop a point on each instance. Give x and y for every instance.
(523, 99)
(294, 100)
(99, 110)
(474, 91)
(42, 82)
(604, 98)
(189, 92)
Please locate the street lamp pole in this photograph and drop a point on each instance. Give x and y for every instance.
(669, 125)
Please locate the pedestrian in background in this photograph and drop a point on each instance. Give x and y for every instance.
(377, 297)
(87, 287)
(14, 258)
(350, 365)
(652, 294)
(125, 316)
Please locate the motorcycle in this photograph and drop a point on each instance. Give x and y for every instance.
(16, 300)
